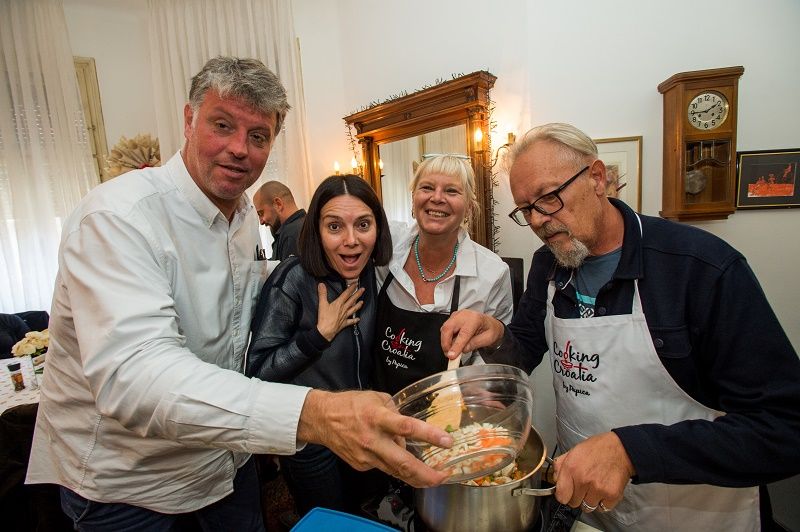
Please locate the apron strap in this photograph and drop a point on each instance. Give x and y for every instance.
(385, 285)
(456, 293)
(453, 303)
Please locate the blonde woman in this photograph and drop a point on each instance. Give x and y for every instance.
(435, 269)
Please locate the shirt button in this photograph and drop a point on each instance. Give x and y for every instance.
(659, 343)
(601, 311)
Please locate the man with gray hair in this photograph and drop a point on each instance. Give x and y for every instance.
(144, 412)
(677, 390)
(277, 210)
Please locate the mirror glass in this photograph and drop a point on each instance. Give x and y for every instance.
(398, 160)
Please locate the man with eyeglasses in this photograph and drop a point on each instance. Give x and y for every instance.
(677, 390)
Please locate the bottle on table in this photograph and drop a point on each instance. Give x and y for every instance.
(16, 376)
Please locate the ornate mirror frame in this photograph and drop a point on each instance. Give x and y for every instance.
(463, 100)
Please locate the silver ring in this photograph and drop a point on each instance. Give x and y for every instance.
(603, 507)
(588, 507)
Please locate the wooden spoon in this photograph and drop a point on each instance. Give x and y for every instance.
(448, 405)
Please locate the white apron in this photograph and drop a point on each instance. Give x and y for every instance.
(607, 374)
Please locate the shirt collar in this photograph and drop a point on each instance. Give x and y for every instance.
(630, 262)
(196, 197)
(466, 259)
(297, 214)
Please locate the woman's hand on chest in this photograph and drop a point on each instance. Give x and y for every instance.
(334, 316)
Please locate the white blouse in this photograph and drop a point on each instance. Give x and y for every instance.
(485, 279)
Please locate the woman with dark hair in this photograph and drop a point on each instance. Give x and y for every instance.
(314, 324)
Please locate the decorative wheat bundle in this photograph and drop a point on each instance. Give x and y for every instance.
(131, 154)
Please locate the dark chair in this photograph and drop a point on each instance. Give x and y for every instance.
(37, 320)
(516, 265)
(25, 507)
(12, 330)
(14, 326)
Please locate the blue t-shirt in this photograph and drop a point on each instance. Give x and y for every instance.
(591, 276)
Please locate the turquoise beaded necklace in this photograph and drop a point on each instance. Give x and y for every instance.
(419, 263)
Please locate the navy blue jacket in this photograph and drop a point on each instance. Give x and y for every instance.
(716, 335)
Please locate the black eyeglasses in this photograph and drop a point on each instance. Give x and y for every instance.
(546, 204)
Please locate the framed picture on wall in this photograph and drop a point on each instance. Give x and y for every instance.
(767, 179)
(623, 159)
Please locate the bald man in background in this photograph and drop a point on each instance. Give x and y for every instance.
(277, 209)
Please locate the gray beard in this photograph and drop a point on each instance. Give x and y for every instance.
(573, 257)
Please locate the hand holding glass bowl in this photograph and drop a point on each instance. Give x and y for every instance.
(486, 408)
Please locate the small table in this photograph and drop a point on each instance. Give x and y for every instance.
(8, 397)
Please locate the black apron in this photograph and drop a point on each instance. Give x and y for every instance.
(408, 344)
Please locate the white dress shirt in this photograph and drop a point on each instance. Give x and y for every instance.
(143, 400)
(485, 279)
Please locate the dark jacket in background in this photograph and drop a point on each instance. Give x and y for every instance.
(284, 244)
(286, 345)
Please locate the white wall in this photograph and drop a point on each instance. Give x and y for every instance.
(594, 64)
(114, 33)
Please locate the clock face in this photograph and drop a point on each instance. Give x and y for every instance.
(707, 110)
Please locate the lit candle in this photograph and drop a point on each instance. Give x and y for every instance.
(478, 136)
(336, 167)
(380, 164)
(354, 164)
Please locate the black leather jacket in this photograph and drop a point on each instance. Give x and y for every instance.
(286, 345)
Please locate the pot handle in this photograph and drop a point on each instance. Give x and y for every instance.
(543, 492)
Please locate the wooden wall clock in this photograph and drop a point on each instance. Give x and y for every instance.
(699, 177)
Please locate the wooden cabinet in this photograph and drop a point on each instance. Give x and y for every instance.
(699, 176)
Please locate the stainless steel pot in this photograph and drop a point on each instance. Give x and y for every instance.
(511, 507)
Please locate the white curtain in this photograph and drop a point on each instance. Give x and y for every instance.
(450, 140)
(45, 161)
(184, 34)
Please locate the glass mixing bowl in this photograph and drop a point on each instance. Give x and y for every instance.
(486, 408)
